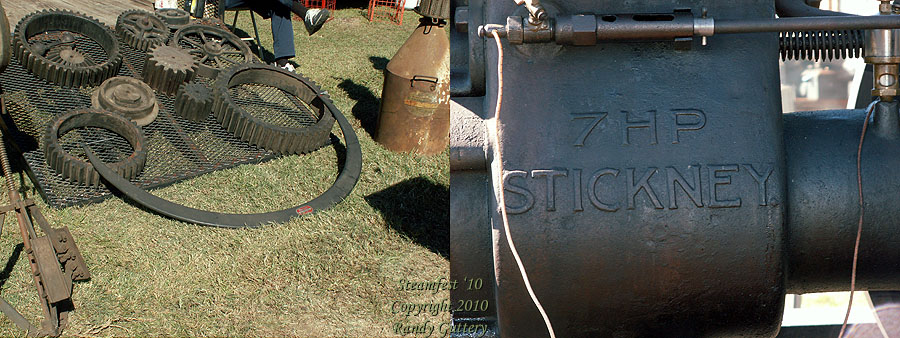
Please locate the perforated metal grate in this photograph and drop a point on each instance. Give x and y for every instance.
(177, 148)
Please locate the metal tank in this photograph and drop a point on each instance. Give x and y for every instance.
(654, 189)
(415, 102)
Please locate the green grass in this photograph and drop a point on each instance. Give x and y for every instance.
(333, 273)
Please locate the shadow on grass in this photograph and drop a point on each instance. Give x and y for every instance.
(10, 264)
(366, 108)
(267, 55)
(417, 208)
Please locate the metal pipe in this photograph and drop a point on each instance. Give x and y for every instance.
(822, 216)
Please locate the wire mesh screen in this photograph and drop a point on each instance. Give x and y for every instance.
(177, 148)
(386, 10)
(327, 4)
(209, 9)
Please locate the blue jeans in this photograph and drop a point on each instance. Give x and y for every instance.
(282, 29)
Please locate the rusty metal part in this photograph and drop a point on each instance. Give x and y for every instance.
(655, 193)
(623, 197)
(193, 101)
(141, 29)
(127, 96)
(5, 37)
(277, 138)
(167, 67)
(175, 18)
(215, 48)
(883, 52)
(343, 185)
(54, 258)
(80, 171)
(438, 9)
(70, 68)
(679, 26)
(415, 103)
(70, 57)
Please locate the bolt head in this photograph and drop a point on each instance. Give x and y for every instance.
(584, 30)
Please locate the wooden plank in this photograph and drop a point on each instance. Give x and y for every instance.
(104, 10)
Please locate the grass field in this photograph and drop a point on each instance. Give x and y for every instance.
(334, 273)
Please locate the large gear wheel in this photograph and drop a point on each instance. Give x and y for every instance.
(167, 67)
(67, 48)
(141, 29)
(81, 171)
(175, 18)
(127, 96)
(250, 126)
(193, 101)
(215, 48)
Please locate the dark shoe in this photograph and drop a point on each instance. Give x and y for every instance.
(315, 19)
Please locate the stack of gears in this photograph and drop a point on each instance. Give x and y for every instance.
(198, 64)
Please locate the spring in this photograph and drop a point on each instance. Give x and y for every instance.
(821, 45)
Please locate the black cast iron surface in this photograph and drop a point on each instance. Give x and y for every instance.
(178, 148)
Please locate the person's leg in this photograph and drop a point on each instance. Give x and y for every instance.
(282, 32)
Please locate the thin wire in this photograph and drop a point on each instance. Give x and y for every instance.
(512, 246)
(862, 138)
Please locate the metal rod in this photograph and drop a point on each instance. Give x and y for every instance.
(806, 24)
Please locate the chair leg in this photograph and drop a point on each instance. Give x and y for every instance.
(234, 22)
(256, 32)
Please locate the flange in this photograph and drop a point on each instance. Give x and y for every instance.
(167, 67)
(60, 57)
(141, 29)
(80, 171)
(127, 96)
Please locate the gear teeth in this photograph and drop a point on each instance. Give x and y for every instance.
(278, 139)
(212, 52)
(57, 71)
(149, 24)
(175, 18)
(81, 171)
(167, 67)
(193, 102)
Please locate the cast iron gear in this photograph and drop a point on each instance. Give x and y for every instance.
(127, 96)
(215, 48)
(79, 170)
(193, 101)
(175, 18)
(54, 45)
(141, 29)
(251, 128)
(167, 67)
(69, 56)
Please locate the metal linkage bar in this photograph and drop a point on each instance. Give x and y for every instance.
(589, 29)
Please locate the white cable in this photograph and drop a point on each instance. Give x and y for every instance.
(499, 178)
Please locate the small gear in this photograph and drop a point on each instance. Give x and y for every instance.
(79, 170)
(51, 44)
(69, 57)
(167, 67)
(193, 102)
(175, 18)
(274, 137)
(215, 48)
(127, 96)
(141, 29)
